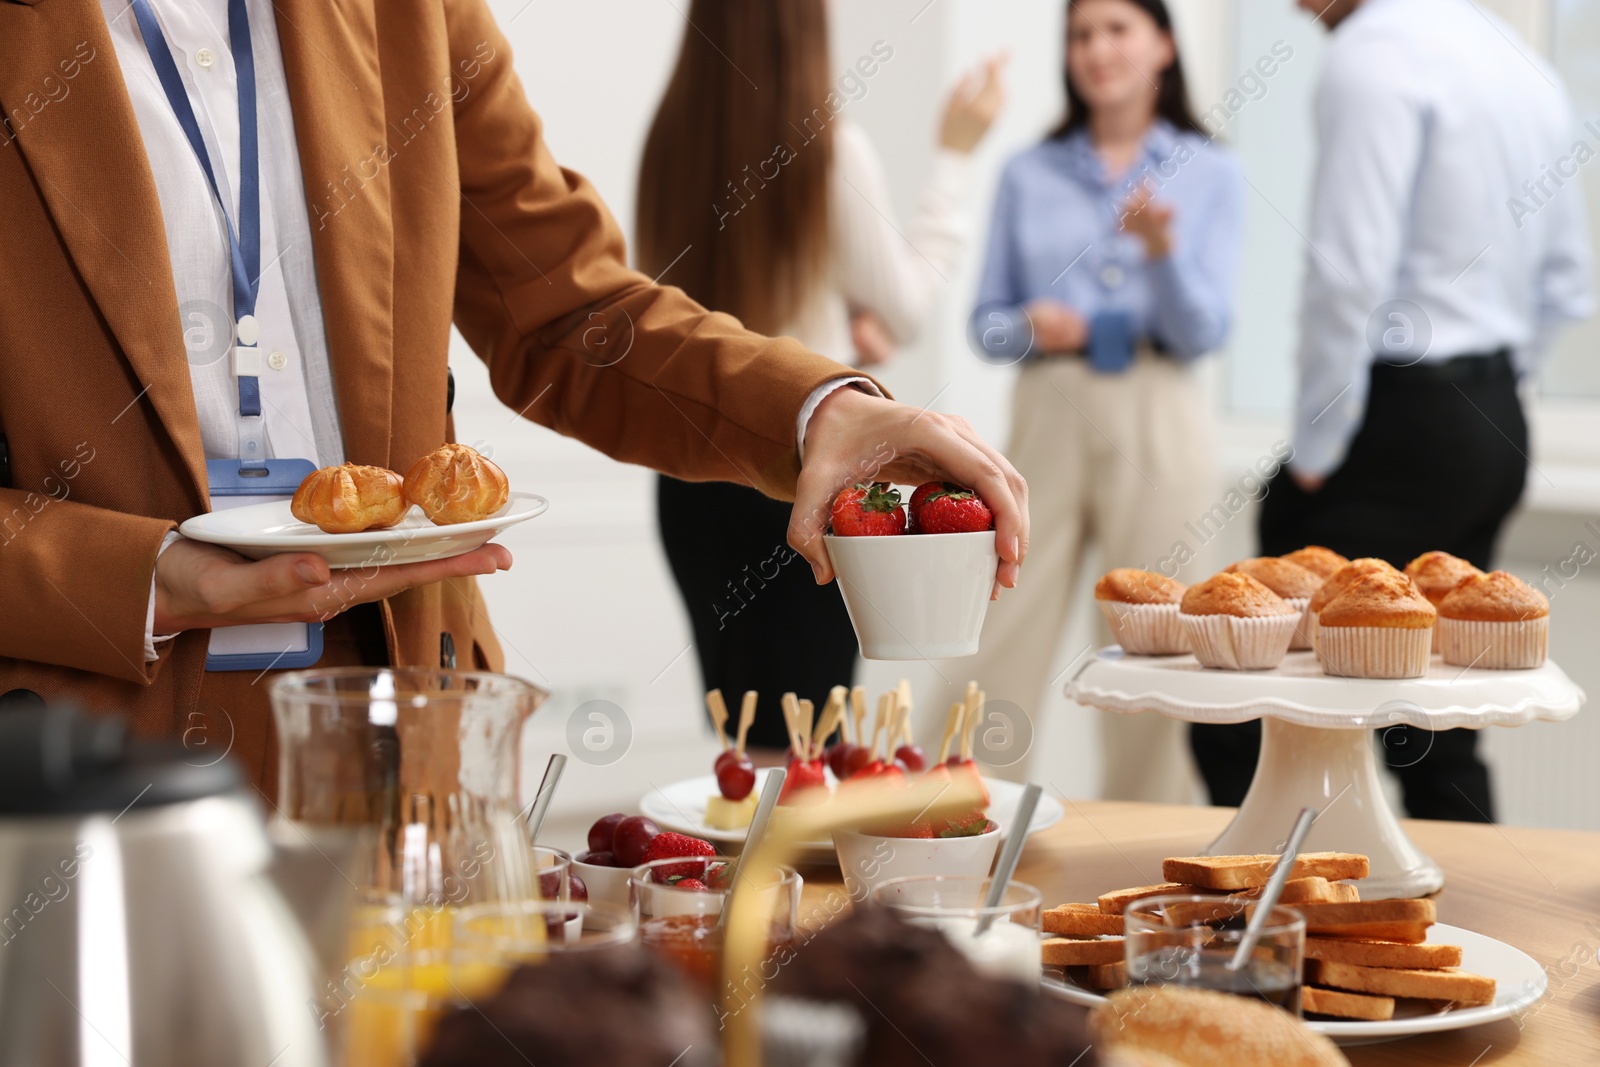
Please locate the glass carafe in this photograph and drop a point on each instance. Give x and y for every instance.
(409, 781)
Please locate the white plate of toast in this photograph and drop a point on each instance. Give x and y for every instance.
(261, 530)
(682, 807)
(1519, 983)
(1375, 970)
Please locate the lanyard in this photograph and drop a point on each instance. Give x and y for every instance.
(244, 245)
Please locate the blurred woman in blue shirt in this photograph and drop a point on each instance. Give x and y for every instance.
(1110, 272)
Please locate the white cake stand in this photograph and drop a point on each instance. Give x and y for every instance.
(1316, 743)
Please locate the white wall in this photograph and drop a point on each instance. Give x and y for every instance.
(589, 611)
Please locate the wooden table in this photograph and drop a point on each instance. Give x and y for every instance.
(1538, 890)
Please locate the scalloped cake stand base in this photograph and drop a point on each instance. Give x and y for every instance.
(1316, 742)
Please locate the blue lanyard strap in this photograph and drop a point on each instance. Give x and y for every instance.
(244, 245)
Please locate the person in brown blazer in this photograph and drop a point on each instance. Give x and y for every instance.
(469, 221)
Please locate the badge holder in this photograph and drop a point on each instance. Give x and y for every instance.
(278, 645)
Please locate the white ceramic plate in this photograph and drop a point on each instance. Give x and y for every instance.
(1519, 984)
(682, 807)
(262, 530)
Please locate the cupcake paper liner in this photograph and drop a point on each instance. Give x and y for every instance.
(1501, 646)
(1240, 643)
(1146, 629)
(1374, 651)
(1313, 629)
(1302, 629)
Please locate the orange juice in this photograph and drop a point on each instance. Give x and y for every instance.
(409, 966)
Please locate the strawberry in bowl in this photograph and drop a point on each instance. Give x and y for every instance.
(868, 510)
(944, 507)
(963, 846)
(922, 595)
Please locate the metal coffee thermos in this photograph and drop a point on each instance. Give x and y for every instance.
(139, 926)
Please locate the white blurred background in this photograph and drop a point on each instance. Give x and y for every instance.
(590, 613)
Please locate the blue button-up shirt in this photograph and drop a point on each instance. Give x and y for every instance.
(1057, 235)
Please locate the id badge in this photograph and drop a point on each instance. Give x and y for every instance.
(273, 645)
(1111, 342)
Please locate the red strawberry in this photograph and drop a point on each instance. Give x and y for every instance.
(803, 777)
(868, 511)
(690, 883)
(923, 829)
(944, 507)
(671, 845)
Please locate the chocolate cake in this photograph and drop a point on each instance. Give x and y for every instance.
(923, 1003)
(620, 1007)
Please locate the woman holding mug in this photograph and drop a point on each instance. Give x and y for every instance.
(1109, 274)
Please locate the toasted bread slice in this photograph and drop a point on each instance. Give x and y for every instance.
(1311, 890)
(1071, 952)
(1467, 990)
(1117, 901)
(1108, 975)
(1382, 953)
(1337, 918)
(1081, 920)
(1403, 933)
(1341, 1005)
(1252, 872)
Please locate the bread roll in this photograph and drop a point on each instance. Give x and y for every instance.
(350, 498)
(455, 483)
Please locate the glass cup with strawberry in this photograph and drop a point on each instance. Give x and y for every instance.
(679, 901)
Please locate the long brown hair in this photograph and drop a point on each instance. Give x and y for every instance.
(735, 169)
(1172, 95)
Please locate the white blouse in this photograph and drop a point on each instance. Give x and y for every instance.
(876, 265)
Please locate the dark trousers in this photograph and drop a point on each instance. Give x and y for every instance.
(1439, 463)
(760, 620)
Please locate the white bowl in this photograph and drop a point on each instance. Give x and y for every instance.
(606, 885)
(916, 596)
(868, 860)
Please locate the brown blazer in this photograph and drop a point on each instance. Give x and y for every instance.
(433, 200)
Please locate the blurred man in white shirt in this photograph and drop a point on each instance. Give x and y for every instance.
(1448, 245)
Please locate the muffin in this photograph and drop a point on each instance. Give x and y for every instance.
(1336, 583)
(1237, 624)
(1141, 607)
(1496, 621)
(1381, 626)
(1436, 573)
(1289, 580)
(1323, 562)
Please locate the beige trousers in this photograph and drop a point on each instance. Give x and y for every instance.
(1120, 462)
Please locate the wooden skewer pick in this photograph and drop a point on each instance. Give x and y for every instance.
(858, 713)
(970, 727)
(832, 713)
(903, 699)
(747, 715)
(791, 718)
(719, 715)
(807, 713)
(880, 724)
(952, 724)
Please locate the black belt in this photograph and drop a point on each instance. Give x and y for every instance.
(1494, 366)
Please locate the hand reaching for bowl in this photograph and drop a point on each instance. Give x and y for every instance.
(856, 437)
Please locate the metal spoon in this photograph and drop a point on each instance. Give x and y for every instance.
(540, 807)
(758, 825)
(1274, 889)
(1009, 855)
